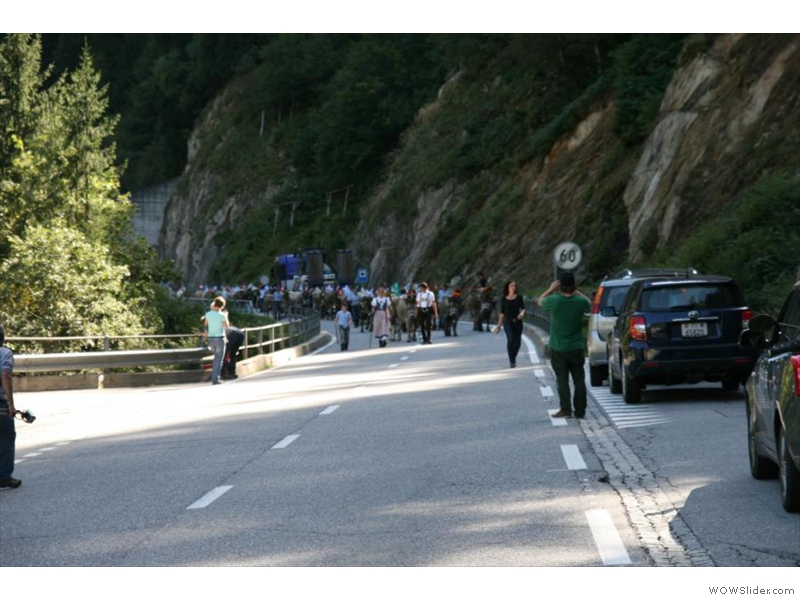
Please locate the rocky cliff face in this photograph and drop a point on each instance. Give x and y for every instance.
(195, 216)
(729, 108)
(723, 105)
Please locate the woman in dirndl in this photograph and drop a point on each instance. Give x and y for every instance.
(381, 305)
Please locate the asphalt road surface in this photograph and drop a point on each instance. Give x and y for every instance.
(410, 455)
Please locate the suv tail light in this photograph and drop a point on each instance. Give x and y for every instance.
(639, 328)
(596, 302)
(796, 364)
(746, 316)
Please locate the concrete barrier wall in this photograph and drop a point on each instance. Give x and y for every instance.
(89, 381)
(149, 206)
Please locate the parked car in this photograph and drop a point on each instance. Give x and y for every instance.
(611, 292)
(678, 330)
(773, 399)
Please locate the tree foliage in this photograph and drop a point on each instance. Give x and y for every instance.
(66, 238)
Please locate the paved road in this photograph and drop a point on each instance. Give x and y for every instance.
(405, 456)
(408, 455)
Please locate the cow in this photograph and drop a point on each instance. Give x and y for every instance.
(365, 308)
(407, 316)
(453, 309)
(480, 305)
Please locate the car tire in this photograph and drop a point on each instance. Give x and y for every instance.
(760, 467)
(614, 383)
(789, 476)
(631, 389)
(730, 385)
(597, 374)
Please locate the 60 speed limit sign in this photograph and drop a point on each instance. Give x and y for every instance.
(567, 256)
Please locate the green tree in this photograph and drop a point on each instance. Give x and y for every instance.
(21, 79)
(68, 239)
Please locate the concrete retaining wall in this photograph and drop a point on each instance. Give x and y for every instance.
(89, 381)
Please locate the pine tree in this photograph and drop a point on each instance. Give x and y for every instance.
(68, 239)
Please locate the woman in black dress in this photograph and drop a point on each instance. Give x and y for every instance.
(512, 311)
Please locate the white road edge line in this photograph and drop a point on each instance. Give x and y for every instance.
(285, 441)
(330, 409)
(532, 354)
(210, 497)
(607, 539)
(573, 458)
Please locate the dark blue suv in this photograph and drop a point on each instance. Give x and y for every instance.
(679, 330)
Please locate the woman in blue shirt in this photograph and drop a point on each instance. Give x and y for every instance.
(215, 323)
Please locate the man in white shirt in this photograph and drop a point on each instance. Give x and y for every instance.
(426, 311)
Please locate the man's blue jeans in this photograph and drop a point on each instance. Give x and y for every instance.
(8, 436)
(217, 344)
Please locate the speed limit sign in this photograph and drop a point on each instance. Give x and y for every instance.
(567, 256)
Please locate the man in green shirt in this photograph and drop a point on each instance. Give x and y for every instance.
(566, 341)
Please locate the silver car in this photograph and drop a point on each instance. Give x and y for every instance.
(609, 296)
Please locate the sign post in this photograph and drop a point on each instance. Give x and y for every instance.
(567, 256)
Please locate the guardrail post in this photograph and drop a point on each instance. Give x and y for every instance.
(106, 343)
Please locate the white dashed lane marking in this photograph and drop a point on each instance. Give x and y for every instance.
(209, 497)
(573, 458)
(547, 391)
(606, 538)
(557, 422)
(330, 409)
(285, 441)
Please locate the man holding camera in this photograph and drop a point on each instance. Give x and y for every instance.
(8, 434)
(566, 341)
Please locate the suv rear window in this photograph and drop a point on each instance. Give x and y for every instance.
(689, 297)
(613, 296)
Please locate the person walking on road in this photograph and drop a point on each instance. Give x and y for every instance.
(215, 322)
(512, 312)
(381, 305)
(426, 311)
(567, 308)
(8, 434)
(234, 338)
(343, 321)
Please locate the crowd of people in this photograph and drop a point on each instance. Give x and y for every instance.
(562, 299)
(350, 306)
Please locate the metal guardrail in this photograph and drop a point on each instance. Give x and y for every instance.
(536, 316)
(302, 326)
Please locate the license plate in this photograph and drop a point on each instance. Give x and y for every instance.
(694, 330)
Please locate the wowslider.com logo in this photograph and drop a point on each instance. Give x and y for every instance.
(747, 590)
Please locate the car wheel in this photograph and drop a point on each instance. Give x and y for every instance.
(760, 467)
(631, 389)
(790, 477)
(614, 383)
(730, 385)
(597, 374)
